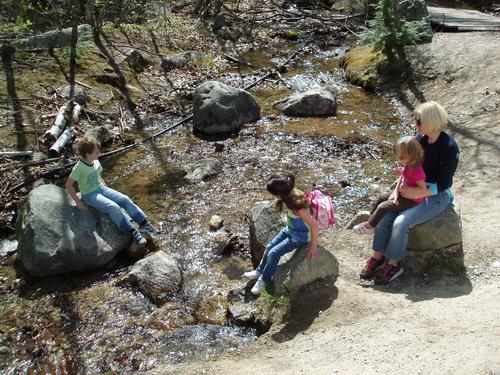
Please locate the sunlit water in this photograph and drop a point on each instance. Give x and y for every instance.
(87, 324)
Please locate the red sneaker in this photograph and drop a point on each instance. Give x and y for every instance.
(371, 267)
(388, 273)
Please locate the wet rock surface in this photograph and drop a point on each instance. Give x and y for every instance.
(157, 276)
(202, 169)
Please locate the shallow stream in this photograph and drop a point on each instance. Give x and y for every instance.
(86, 324)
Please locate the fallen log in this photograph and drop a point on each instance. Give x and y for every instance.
(15, 154)
(65, 138)
(55, 131)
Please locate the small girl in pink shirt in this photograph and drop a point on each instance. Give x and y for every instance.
(411, 154)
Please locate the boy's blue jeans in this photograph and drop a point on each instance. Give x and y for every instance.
(279, 246)
(391, 233)
(109, 201)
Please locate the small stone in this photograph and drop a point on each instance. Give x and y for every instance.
(216, 222)
(4, 350)
(495, 264)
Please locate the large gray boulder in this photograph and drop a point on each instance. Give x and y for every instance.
(222, 109)
(265, 223)
(157, 276)
(436, 245)
(315, 102)
(55, 237)
(294, 269)
(53, 38)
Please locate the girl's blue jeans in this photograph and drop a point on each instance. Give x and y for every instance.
(391, 233)
(109, 201)
(280, 245)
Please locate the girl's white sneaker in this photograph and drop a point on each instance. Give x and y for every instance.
(252, 275)
(257, 288)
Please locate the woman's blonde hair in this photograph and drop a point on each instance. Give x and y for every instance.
(409, 147)
(431, 117)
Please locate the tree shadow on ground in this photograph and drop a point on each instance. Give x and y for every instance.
(305, 305)
(17, 109)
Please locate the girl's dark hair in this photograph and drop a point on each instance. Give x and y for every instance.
(282, 186)
(86, 145)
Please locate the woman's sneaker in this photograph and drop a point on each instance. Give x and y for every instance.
(371, 267)
(137, 237)
(252, 275)
(388, 273)
(259, 285)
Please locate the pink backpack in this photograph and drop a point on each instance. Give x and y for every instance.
(322, 209)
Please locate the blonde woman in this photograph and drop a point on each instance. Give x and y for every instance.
(440, 162)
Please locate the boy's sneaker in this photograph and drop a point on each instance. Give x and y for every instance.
(137, 237)
(252, 275)
(147, 229)
(371, 267)
(257, 288)
(388, 273)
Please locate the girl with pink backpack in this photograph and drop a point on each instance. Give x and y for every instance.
(301, 229)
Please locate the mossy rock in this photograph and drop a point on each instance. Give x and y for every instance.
(290, 35)
(363, 66)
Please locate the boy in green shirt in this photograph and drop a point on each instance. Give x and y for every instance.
(94, 192)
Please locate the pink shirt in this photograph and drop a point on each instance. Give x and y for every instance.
(413, 174)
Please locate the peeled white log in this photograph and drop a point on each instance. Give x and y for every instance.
(63, 140)
(51, 135)
(55, 131)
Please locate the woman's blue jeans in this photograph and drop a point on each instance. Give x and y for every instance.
(391, 233)
(109, 201)
(280, 245)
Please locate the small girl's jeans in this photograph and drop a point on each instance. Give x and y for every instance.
(280, 245)
(109, 201)
(391, 233)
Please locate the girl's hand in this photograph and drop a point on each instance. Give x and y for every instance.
(398, 170)
(312, 251)
(81, 206)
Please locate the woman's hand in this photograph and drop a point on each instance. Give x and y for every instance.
(393, 197)
(403, 190)
(415, 192)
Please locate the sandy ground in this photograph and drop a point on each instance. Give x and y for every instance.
(428, 326)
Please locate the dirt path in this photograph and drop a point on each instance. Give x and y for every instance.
(449, 326)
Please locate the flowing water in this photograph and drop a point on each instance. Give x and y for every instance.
(87, 324)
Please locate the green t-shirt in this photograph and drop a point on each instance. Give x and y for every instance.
(87, 176)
